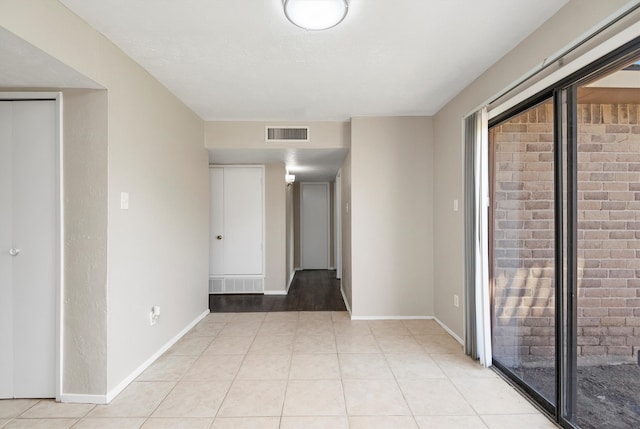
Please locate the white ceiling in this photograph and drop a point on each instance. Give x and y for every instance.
(242, 60)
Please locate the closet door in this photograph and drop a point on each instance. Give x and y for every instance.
(28, 255)
(237, 209)
(243, 220)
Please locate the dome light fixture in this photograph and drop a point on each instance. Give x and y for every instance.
(315, 14)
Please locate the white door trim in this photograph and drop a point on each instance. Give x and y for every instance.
(59, 282)
(326, 184)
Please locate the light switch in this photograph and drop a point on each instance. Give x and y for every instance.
(124, 201)
(455, 205)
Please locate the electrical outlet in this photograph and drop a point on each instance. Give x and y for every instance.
(456, 301)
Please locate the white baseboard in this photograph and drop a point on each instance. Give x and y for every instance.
(391, 317)
(71, 398)
(291, 276)
(449, 331)
(438, 321)
(275, 292)
(124, 383)
(346, 302)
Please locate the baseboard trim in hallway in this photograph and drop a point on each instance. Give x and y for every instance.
(344, 298)
(146, 364)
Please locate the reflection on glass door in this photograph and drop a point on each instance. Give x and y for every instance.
(607, 377)
(523, 254)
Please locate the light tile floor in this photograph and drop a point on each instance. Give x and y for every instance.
(293, 370)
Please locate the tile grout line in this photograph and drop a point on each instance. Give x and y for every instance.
(146, 419)
(235, 377)
(344, 394)
(286, 386)
(393, 374)
(452, 383)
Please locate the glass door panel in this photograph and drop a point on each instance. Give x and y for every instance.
(523, 249)
(608, 245)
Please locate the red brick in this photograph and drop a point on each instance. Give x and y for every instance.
(588, 341)
(633, 341)
(620, 312)
(613, 341)
(594, 350)
(588, 321)
(617, 129)
(595, 312)
(619, 351)
(543, 350)
(595, 331)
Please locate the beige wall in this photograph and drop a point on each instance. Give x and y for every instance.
(569, 23)
(85, 241)
(276, 228)
(392, 216)
(157, 250)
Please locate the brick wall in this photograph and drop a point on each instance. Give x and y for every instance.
(608, 236)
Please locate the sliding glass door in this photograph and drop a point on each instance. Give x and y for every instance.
(522, 229)
(607, 375)
(565, 245)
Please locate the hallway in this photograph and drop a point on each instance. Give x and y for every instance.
(311, 290)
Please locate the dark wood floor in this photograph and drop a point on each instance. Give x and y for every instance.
(311, 290)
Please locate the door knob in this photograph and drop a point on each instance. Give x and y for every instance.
(14, 252)
(219, 237)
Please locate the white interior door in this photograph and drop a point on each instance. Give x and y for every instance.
(237, 209)
(314, 225)
(28, 256)
(243, 208)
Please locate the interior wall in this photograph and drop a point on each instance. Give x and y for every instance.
(157, 250)
(392, 216)
(573, 20)
(85, 241)
(345, 207)
(275, 228)
(290, 231)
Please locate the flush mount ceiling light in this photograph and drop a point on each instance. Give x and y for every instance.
(315, 14)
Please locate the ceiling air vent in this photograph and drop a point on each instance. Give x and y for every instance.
(287, 134)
